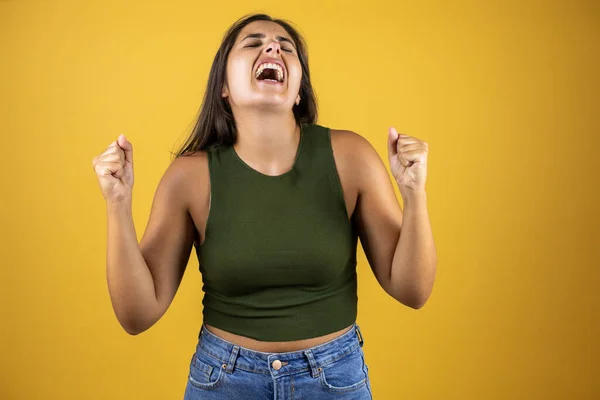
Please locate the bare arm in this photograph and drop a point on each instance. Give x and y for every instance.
(414, 263)
(398, 244)
(143, 279)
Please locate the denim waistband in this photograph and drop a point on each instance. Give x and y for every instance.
(311, 359)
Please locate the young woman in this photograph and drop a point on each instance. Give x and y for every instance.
(274, 205)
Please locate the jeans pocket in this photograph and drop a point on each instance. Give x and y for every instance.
(346, 374)
(206, 372)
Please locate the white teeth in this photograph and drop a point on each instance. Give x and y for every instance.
(276, 67)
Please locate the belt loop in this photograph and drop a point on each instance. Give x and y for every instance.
(359, 334)
(313, 363)
(232, 359)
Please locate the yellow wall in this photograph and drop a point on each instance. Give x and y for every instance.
(506, 95)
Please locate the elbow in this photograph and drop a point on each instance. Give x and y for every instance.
(418, 303)
(420, 297)
(137, 320)
(133, 331)
(413, 298)
(416, 294)
(415, 302)
(133, 326)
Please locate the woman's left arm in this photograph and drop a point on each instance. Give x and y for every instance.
(398, 244)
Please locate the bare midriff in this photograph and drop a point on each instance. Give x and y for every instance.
(274, 347)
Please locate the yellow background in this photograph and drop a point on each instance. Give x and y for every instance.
(506, 95)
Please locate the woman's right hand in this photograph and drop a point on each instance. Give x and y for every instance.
(114, 169)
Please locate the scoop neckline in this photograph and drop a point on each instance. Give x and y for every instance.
(298, 151)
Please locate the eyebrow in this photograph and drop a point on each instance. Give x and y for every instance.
(262, 36)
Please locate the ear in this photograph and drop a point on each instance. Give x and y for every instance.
(225, 91)
(298, 100)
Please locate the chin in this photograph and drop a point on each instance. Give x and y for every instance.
(270, 100)
(265, 106)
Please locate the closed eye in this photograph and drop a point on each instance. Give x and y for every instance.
(256, 44)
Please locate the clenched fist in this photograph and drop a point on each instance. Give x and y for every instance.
(114, 169)
(408, 162)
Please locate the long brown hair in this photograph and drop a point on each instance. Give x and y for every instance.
(215, 124)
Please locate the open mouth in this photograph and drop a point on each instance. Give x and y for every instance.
(270, 72)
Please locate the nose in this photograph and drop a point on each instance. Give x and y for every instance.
(274, 48)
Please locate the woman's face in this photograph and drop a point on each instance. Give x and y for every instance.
(263, 68)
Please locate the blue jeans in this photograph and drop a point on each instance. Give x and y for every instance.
(333, 370)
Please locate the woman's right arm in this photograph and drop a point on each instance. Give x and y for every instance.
(143, 278)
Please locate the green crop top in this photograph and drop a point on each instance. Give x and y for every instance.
(278, 261)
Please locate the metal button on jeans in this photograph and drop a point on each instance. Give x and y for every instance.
(276, 365)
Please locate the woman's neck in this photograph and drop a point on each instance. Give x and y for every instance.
(267, 142)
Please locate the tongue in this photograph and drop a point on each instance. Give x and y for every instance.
(268, 74)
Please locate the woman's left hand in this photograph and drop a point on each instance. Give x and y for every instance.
(408, 162)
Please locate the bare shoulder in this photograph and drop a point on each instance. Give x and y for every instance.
(189, 162)
(354, 151)
(191, 177)
(346, 137)
(186, 175)
(351, 143)
(189, 166)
